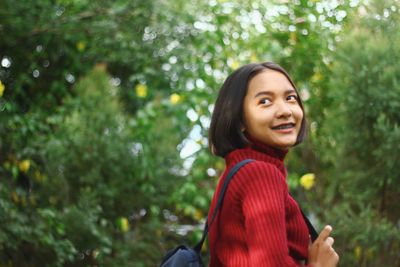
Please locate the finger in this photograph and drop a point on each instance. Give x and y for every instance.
(324, 234)
(329, 241)
(336, 257)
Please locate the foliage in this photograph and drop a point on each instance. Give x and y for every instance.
(105, 107)
(365, 86)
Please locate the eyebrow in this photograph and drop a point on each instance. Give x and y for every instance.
(269, 93)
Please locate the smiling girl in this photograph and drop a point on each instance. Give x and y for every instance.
(259, 115)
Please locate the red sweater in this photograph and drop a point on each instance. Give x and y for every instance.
(259, 223)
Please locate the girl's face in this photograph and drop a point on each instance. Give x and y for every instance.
(271, 110)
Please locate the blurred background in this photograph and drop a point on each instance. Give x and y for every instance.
(105, 107)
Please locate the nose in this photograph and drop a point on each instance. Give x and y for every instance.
(283, 110)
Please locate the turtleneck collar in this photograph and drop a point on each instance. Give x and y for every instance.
(258, 151)
(266, 149)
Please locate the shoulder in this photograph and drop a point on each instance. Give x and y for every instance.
(260, 167)
(259, 173)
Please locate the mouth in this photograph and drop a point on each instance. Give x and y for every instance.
(284, 126)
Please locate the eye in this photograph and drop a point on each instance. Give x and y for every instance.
(292, 98)
(264, 101)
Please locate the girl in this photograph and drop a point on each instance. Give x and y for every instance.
(259, 115)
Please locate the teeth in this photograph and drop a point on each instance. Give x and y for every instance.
(285, 126)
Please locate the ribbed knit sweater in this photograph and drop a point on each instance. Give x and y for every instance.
(259, 223)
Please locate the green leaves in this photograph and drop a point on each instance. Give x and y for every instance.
(364, 127)
(105, 98)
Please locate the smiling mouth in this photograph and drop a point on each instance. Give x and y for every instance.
(284, 126)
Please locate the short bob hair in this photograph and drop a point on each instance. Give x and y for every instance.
(225, 133)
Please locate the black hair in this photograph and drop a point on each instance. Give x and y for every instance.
(225, 133)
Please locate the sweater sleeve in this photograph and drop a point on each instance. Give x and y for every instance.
(263, 193)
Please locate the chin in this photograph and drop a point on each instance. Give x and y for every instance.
(285, 145)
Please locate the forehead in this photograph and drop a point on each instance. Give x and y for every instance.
(269, 80)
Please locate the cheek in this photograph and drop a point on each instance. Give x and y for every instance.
(248, 123)
(247, 116)
(298, 113)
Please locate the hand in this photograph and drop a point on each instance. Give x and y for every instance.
(321, 252)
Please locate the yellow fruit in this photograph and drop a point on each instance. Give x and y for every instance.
(175, 99)
(123, 224)
(357, 252)
(198, 215)
(293, 37)
(219, 165)
(24, 165)
(141, 90)
(254, 58)
(317, 77)
(2, 88)
(307, 180)
(80, 46)
(234, 64)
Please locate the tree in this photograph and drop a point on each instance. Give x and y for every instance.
(105, 109)
(364, 124)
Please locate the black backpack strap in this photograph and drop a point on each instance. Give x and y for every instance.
(311, 229)
(232, 172)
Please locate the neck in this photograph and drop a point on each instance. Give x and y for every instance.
(262, 147)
